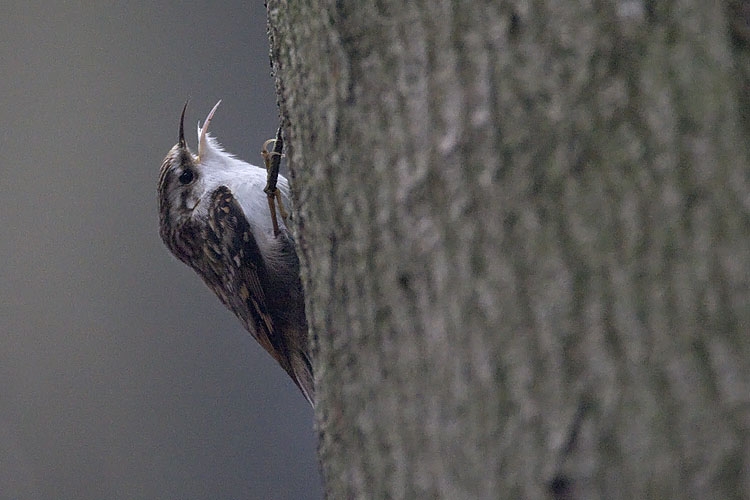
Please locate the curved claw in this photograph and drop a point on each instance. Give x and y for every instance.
(204, 129)
(267, 155)
(265, 145)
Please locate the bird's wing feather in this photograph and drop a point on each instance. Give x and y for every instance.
(236, 253)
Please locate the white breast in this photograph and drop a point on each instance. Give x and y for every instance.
(246, 183)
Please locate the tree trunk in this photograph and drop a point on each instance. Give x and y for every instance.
(524, 229)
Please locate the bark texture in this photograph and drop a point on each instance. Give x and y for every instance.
(524, 229)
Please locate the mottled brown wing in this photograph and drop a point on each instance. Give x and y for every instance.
(237, 257)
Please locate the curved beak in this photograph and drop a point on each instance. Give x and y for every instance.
(181, 141)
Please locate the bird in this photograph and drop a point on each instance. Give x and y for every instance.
(214, 217)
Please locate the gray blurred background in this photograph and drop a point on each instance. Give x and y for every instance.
(121, 375)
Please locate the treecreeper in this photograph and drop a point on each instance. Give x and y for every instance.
(214, 216)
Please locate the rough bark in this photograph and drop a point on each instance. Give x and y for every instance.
(524, 229)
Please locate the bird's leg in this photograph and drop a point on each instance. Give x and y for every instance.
(282, 212)
(270, 188)
(272, 161)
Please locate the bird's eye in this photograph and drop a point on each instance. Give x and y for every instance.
(186, 177)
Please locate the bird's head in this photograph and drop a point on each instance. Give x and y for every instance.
(186, 179)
